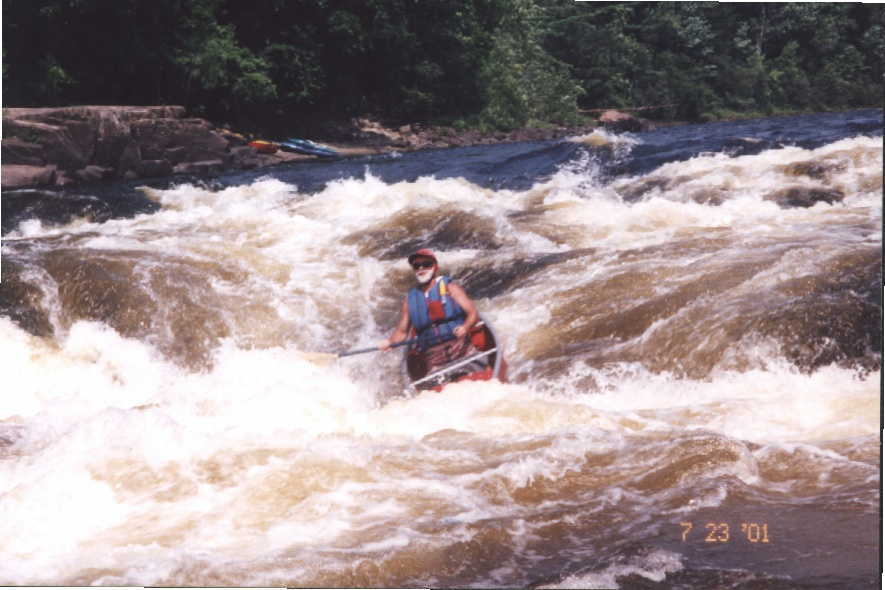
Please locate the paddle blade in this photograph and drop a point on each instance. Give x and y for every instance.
(322, 359)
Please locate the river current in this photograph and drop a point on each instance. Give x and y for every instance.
(695, 360)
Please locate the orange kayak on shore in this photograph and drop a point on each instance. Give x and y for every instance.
(264, 147)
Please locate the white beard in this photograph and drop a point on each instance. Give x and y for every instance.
(424, 276)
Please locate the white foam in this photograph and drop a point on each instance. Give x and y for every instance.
(130, 463)
(654, 566)
(775, 403)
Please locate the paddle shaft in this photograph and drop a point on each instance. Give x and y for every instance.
(436, 340)
(376, 349)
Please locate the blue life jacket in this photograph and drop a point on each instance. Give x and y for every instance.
(432, 331)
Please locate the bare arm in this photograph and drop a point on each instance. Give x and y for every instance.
(461, 297)
(402, 328)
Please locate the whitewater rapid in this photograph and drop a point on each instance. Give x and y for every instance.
(679, 345)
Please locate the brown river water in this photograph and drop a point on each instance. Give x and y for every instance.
(695, 373)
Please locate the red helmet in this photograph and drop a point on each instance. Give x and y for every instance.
(423, 252)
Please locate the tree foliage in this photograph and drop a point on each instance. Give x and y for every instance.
(522, 82)
(499, 63)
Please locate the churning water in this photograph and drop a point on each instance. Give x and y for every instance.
(695, 367)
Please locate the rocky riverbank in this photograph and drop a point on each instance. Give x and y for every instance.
(71, 145)
(367, 133)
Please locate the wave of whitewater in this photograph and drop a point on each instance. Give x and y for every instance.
(682, 349)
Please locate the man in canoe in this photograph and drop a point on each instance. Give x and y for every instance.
(439, 311)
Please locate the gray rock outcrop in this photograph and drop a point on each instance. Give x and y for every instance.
(67, 145)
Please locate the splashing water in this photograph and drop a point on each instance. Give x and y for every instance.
(684, 348)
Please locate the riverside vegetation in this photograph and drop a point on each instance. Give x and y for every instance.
(488, 65)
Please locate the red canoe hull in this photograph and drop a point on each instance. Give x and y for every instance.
(484, 340)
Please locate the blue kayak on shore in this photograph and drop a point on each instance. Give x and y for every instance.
(305, 146)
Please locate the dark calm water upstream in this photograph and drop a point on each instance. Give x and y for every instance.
(693, 322)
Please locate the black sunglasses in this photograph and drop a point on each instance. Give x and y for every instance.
(423, 264)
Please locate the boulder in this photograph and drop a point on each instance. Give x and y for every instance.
(197, 139)
(128, 160)
(202, 168)
(636, 190)
(58, 145)
(176, 155)
(64, 178)
(746, 146)
(20, 176)
(800, 196)
(83, 134)
(82, 144)
(19, 151)
(51, 207)
(816, 170)
(158, 167)
(93, 173)
(244, 157)
(22, 302)
(618, 121)
(114, 145)
(709, 196)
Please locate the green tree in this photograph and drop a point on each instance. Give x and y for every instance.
(789, 82)
(521, 82)
(55, 81)
(593, 38)
(215, 65)
(216, 69)
(505, 63)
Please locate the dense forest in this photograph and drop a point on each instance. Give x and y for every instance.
(492, 64)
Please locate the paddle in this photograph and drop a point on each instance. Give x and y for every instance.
(324, 358)
(327, 357)
(375, 348)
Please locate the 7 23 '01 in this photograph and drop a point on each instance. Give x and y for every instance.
(721, 532)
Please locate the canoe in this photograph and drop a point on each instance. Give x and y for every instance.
(264, 147)
(305, 146)
(486, 364)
